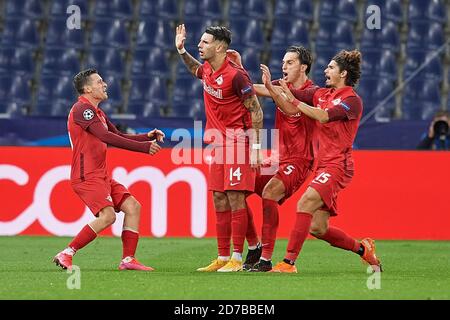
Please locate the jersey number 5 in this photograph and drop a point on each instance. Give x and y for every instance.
(289, 170)
(322, 178)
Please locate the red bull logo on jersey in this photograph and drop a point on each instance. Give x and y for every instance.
(215, 93)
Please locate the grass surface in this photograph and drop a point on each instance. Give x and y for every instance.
(413, 270)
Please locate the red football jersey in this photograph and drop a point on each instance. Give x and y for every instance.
(336, 136)
(296, 132)
(88, 152)
(224, 92)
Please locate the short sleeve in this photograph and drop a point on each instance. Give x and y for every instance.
(242, 86)
(349, 109)
(85, 115)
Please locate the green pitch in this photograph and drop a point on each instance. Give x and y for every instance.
(413, 270)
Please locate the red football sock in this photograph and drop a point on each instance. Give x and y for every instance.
(252, 235)
(239, 221)
(223, 231)
(338, 238)
(129, 242)
(270, 227)
(85, 236)
(298, 235)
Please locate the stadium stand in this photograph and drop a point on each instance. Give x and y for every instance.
(131, 43)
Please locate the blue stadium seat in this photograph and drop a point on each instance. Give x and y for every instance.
(365, 89)
(61, 62)
(203, 8)
(388, 65)
(269, 108)
(251, 62)
(427, 11)
(150, 62)
(386, 38)
(421, 99)
(287, 32)
(385, 109)
(257, 9)
(107, 60)
(58, 8)
(20, 90)
(58, 108)
(146, 109)
(321, 62)
(114, 8)
(433, 70)
(148, 89)
(197, 110)
(5, 86)
(167, 9)
(24, 8)
(336, 33)
(425, 36)
(391, 10)
(114, 88)
(13, 109)
(155, 33)
(187, 89)
(59, 36)
(148, 8)
(247, 33)
(20, 33)
(110, 33)
(370, 63)
(53, 89)
(338, 10)
(16, 61)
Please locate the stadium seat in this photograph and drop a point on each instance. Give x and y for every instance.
(110, 33)
(16, 61)
(167, 9)
(269, 108)
(421, 99)
(197, 110)
(114, 88)
(146, 109)
(187, 89)
(386, 38)
(338, 10)
(58, 8)
(321, 62)
(432, 70)
(203, 8)
(61, 62)
(388, 65)
(58, 108)
(276, 61)
(107, 60)
(247, 33)
(150, 62)
(59, 36)
(114, 8)
(336, 33)
(13, 109)
(5, 86)
(425, 36)
(257, 9)
(195, 28)
(426, 11)
(24, 8)
(148, 8)
(155, 33)
(20, 33)
(20, 90)
(148, 89)
(365, 89)
(288, 32)
(251, 62)
(370, 63)
(385, 109)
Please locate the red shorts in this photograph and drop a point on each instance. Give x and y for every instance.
(293, 174)
(328, 182)
(98, 193)
(231, 171)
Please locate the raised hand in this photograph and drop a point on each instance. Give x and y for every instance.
(235, 56)
(266, 76)
(156, 134)
(154, 147)
(180, 37)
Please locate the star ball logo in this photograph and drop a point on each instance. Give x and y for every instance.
(88, 114)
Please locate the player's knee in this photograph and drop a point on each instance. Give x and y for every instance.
(307, 202)
(269, 194)
(109, 218)
(317, 230)
(136, 207)
(220, 200)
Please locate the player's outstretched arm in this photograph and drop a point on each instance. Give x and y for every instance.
(312, 112)
(190, 62)
(253, 106)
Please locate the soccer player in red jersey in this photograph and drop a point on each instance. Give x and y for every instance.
(296, 133)
(338, 109)
(232, 109)
(90, 132)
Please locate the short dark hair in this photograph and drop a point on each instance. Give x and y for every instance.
(304, 55)
(220, 33)
(82, 79)
(350, 61)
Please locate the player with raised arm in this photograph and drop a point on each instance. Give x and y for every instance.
(338, 109)
(231, 109)
(90, 132)
(296, 133)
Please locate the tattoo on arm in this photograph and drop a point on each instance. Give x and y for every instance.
(190, 62)
(253, 106)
